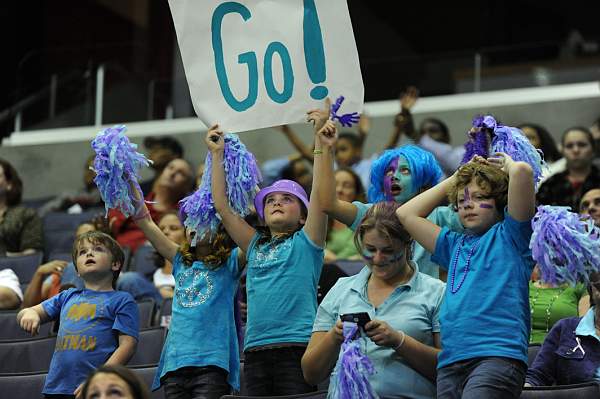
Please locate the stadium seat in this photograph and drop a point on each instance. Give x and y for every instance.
(146, 307)
(27, 355)
(22, 385)
(310, 395)
(149, 347)
(10, 330)
(163, 318)
(532, 352)
(146, 373)
(23, 266)
(143, 261)
(588, 390)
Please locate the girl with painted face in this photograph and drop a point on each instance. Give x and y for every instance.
(397, 175)
(285, 260)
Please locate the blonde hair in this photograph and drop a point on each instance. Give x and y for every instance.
(493, 181)
(221, 246)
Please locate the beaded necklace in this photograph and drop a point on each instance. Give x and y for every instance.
(455, 264)
(532, 303)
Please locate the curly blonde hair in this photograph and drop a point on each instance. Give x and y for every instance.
(493, 181)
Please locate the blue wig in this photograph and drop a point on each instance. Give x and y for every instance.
(424, 168)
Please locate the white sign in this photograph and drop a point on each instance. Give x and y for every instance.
(258, 63)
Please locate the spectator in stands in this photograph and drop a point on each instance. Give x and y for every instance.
(285, 259)
(297, 170)
(175, 182)
(112, 382)
(541, 139)
(88, 197)
(339, 243)
(20, 227)
(485, 314)
(200, 357)
(162, 150)
(10, 290)
(595, 130)
(566, 188)
(397, 175)
(570, 353)
(97, 324)
(432, 135)
(58, 275)
(590, 204)
(163, 278)
(403, 336)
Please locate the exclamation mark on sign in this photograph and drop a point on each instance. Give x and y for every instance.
(314, 54)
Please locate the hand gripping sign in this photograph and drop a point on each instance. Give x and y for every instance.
(258, 63)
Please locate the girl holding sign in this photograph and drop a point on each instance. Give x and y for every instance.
(285, 259)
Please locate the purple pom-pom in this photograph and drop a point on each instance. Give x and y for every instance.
(566, 247)
(117, 165)
(242, 176)
(346, 120)
(351, 374)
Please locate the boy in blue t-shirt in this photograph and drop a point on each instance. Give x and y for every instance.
(485, 315)
(98, 325)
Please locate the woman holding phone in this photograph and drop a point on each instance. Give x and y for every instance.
(402, 336)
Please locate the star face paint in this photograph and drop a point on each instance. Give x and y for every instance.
(398, 177)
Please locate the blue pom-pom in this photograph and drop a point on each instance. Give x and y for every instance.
(117, 165)
(566, 247)
(242, 176)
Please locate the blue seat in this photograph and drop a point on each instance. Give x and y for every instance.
(310, 395)
(27, 355)
(588, 390)
(532, 352)
(10, 330)
(149, 347)
(146, 308)
(146, 373)
(23, 266)
(164, 315)
(350, 267)
(22, 385)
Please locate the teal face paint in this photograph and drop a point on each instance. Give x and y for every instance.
(403, 177)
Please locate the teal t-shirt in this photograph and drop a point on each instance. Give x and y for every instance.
(202, 330)
(281, 285)
(443, 216)
(412, 307)
(486, 309)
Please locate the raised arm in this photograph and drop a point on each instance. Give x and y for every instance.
(316, 222)
(298, 144)
(413, 214)
(521, 188)
(165, 247)
(403, 122)
(239, 230)
(324, 183)
(31, 318)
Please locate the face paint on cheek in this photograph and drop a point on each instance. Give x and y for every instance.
(405, 181)
(486, 206)
(388, 179)
(467, 195)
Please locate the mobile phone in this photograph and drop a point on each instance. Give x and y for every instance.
(360, 318)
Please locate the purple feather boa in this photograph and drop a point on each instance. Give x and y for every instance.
(505, 139)
(242, 176)
(566, 247)
(117, 166)
(351, 374)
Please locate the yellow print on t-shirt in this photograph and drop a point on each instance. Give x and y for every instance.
(79, 311)
(84, 343)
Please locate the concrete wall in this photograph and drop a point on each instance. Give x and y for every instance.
(49, 169)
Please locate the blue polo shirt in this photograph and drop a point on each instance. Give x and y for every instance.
(441, 216)
(412, 307)
(489, 314)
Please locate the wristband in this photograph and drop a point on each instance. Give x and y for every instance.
(401, 341)
(317, 152)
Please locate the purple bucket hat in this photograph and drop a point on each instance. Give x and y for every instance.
(280, 186)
